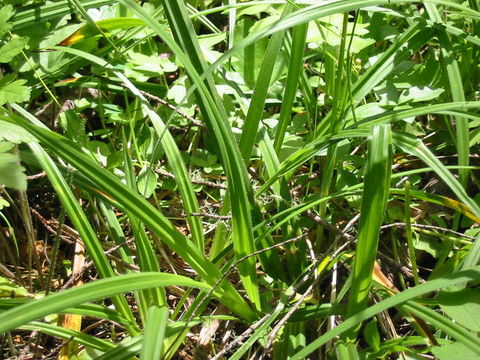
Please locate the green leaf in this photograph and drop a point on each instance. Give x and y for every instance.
(346, 351)
(14, 133)
(6, 13)
(12, 49)
(177, 93)
(157, 321)
(12, 173)
(147, 181)
(3, 203)
(371, 334)
(99, 289)
(375, 195)
(462, 306)
(400, 298)
(74, 126)
(9, 289)
(13, 91)
(416, 94)
(152, 64)
(454, 351)
(93, 29)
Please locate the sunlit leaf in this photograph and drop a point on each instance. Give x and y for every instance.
(12, 91)
(12, 49)
(11, 172)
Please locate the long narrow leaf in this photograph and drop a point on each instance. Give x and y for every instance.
(294, 72)
(63, 333)
(404, 296)
(99, 289)
(78, 217)
(457, 92)
(154, 333)
(240, 191)
(374, 203)
(255, 110)
(442, 322)
(108, 184)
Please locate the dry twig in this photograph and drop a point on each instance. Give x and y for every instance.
(194, 181)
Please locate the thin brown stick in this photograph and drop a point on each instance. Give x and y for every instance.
(5, 272)
(171, 107)
(194, 181)
(50, 224)
(213, 216)
(405, 270)
(224, 276)
(239, 339)
(43, 109)
(281, 322)
(37, 176)
(73, 279)
(328, 226)
(429, 227)
(54, 353)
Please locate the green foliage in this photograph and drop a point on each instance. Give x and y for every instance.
(281, 167)
(12, 174)
(6, 13)
(462, 306)
(11, 90)
(455, 350)
(11, 49)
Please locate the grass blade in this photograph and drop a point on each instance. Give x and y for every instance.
(77, 336)
(110, 185)
(99, 289)
(146, 256)
(294, 73)
(447, 325)
(457, 92)
(238, 185)
(78, 217)
(154, 333)
(374, 202)
(398, 299)
(126, 349)
(255, 110)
